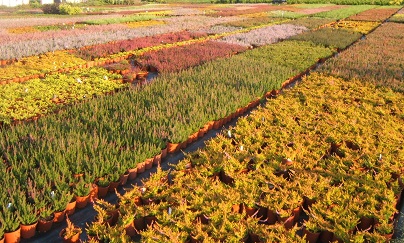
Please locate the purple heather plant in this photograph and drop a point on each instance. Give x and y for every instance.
(61, 42)
(263, 36)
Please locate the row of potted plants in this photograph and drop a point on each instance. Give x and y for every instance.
(126, 137)
(330, 37)
(346, 2)
(264, 36)
(36, 97)
(398, 17)
(363, 27)
(103, 50)
(36, 66)
(19, 106)
(377, 14)
(299, 154)
(111, 52)
(182, 57)
(253, 21)
(383, 227)
(30, 137)
(126, 19)
(343, 13)
(235, 10)
(18, 46)
(373, 68)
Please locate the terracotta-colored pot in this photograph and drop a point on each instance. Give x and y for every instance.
(272, 217)
(93, 193)
(28, 231)
(217, 124)
(113, 185)
(288, 222)
(296, 212)
(150, 220)
(210, 125)
(173, 147)
(102, 191)
(164, 152)
(250, 211)
(140, 167)
(2, 240)
(138, 201)
(59, 216)
(44, 225)
(202, 131)
(82, 201)
(148, 163)
(310, 236)
(365, 223)
(139, 223)
(124, 178)
(236, 208)
(71, 208)
(73, 239)
(132, 173)
(13, 237)
(307, 202)
(130, 229)
(115, 215)
(225, 178)
(202, 218)
(157, 159)
(326, 236)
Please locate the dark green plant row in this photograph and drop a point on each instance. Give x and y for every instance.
(329, 147)
(108, 135)
(330, 37)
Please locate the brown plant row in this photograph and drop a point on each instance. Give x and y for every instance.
(383, 62)
(377, 14)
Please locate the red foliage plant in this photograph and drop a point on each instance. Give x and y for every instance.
(181, 57)
(377, 14)
(103, 50)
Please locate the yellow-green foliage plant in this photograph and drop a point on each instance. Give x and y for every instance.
(323, 140)
(363, 27)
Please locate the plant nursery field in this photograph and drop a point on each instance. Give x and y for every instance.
(88, 102)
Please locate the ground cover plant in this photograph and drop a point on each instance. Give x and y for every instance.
(183, 57)
(363, 27)
(39, 65)
(126, 19)
(398, 17)
(20, 101)
(383, 66)
(243, 10)
(377, 14)
(317, 8)
(253, 21)
(93, 144)
(172, 107)
(263, 36)
(253, 181)
(329, 37)
(343, 13)
(311, 23)
(103, 50)
(349, 2)
(50, 41)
